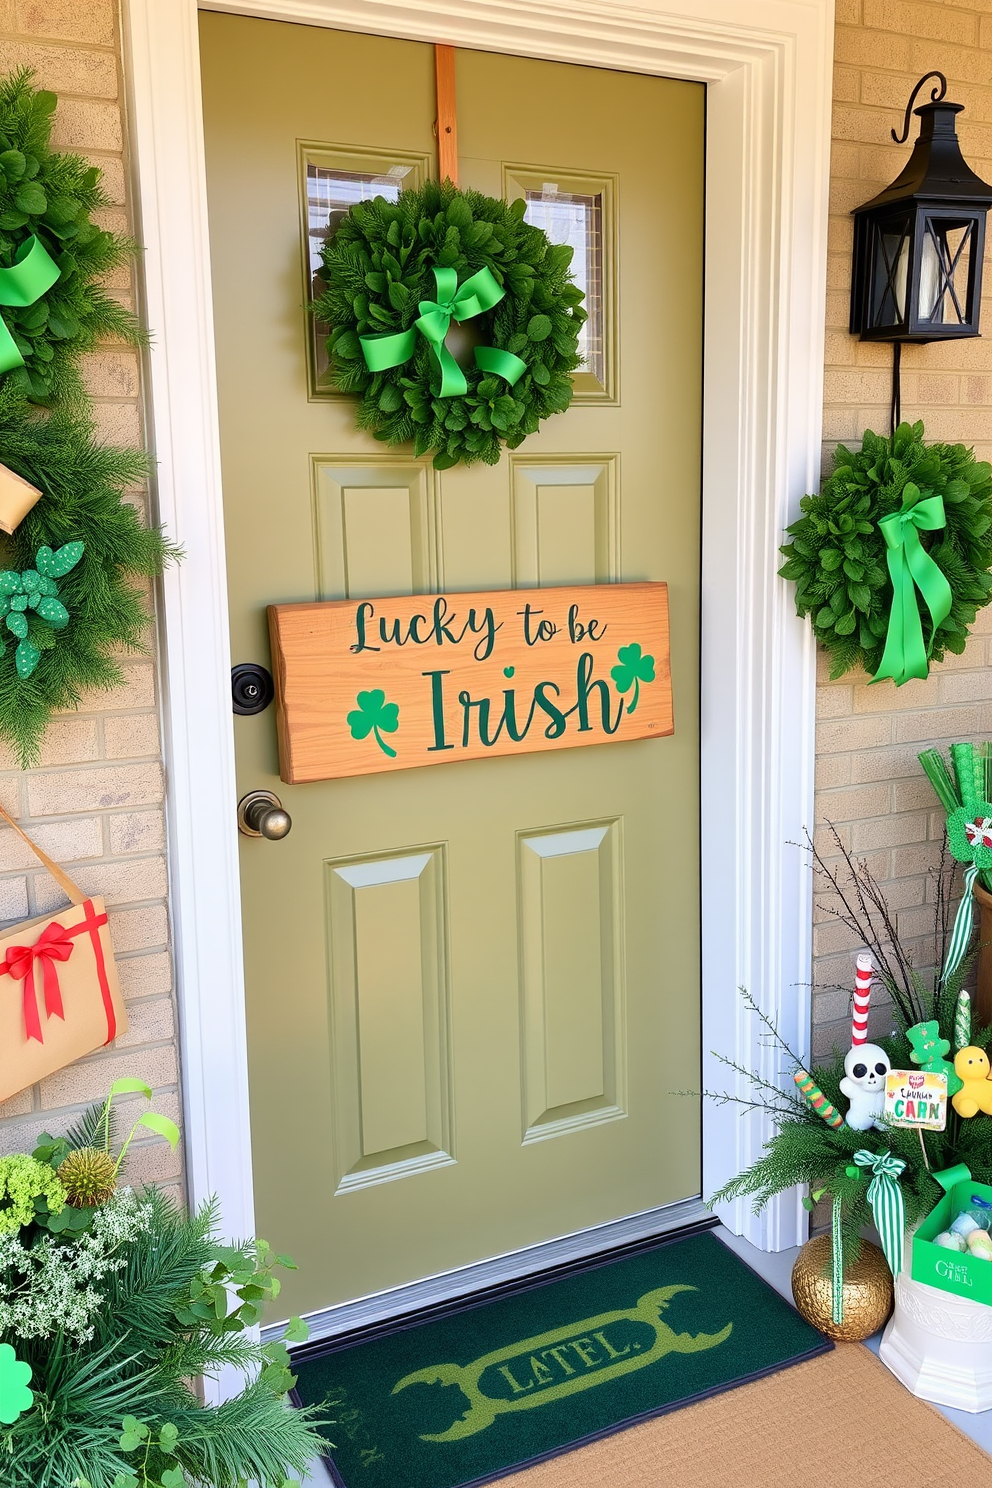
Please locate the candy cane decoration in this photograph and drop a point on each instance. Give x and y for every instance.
(814, 1097)
(862, 994)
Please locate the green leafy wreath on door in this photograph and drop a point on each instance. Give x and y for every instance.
(69, 601)
(396, 274)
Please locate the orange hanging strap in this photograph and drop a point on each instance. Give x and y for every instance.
(447, 125)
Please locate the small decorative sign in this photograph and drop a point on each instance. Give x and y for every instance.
(916, 1098)
(369, 685)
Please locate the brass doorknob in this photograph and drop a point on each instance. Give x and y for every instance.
(261, 814)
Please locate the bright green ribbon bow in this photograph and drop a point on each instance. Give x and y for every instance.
(888, 1206)
(478, 294)
(32, 273)
(910, 565)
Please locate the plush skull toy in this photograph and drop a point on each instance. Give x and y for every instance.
(865, 1069)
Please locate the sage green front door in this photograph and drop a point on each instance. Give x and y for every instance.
(471, 989)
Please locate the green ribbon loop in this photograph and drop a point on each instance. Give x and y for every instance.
(905, 654)
(479, 293)
(503, 363)
(383, 352)
(32, 273)
(888, 1206)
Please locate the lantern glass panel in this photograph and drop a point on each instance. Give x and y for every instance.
(889, 274)
(945, 272)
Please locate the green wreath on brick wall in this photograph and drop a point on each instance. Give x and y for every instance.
(892, 559)
(396, 274)
(83, 484)
(69, 600)
(48, 238)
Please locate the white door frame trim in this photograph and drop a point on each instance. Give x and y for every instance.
(768, 67)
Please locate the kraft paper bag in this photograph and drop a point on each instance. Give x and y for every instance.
(59, 994)
(17, 497)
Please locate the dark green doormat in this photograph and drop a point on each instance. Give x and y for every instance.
(496, 1385)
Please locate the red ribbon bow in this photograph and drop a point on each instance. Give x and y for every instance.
(55, 943)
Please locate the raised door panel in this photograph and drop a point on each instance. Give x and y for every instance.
(374, 527)
(572, 991)
(389, 1022)
(565, 521)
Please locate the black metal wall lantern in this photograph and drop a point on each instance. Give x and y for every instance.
(919, 244)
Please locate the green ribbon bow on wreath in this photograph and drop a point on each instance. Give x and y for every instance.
(478, 294)
(32, 273)
(912, 568)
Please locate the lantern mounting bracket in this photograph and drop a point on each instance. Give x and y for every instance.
(936, 94)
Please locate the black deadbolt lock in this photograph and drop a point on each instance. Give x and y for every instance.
(251, 688)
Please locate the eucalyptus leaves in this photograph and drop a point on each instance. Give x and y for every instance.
(839, 556)
(397, 274)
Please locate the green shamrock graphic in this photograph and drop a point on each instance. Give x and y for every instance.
(929, 1049)
(634, 669)
(15, 1397)
(372, 714)
(35, 589)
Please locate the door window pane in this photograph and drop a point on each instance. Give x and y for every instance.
(332, 182)
(579, 208)
(330, 194)
(577, 219)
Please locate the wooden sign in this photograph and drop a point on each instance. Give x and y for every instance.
(916, 1098)
(388, 684)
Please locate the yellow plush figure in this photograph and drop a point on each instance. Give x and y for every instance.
(972, 1066)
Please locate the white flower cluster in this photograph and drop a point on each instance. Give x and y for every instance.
(47, 1288)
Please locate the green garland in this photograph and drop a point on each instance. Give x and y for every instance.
(68, 597)
(837, 556)
(51, 196)
(378, 273)
(84, 484)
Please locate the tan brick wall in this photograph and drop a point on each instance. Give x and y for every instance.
(95, 801)
(868, 780)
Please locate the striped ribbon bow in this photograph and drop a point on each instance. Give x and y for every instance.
(887, 1204)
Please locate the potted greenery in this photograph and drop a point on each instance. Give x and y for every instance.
(818, 1143)
(114, 1303)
